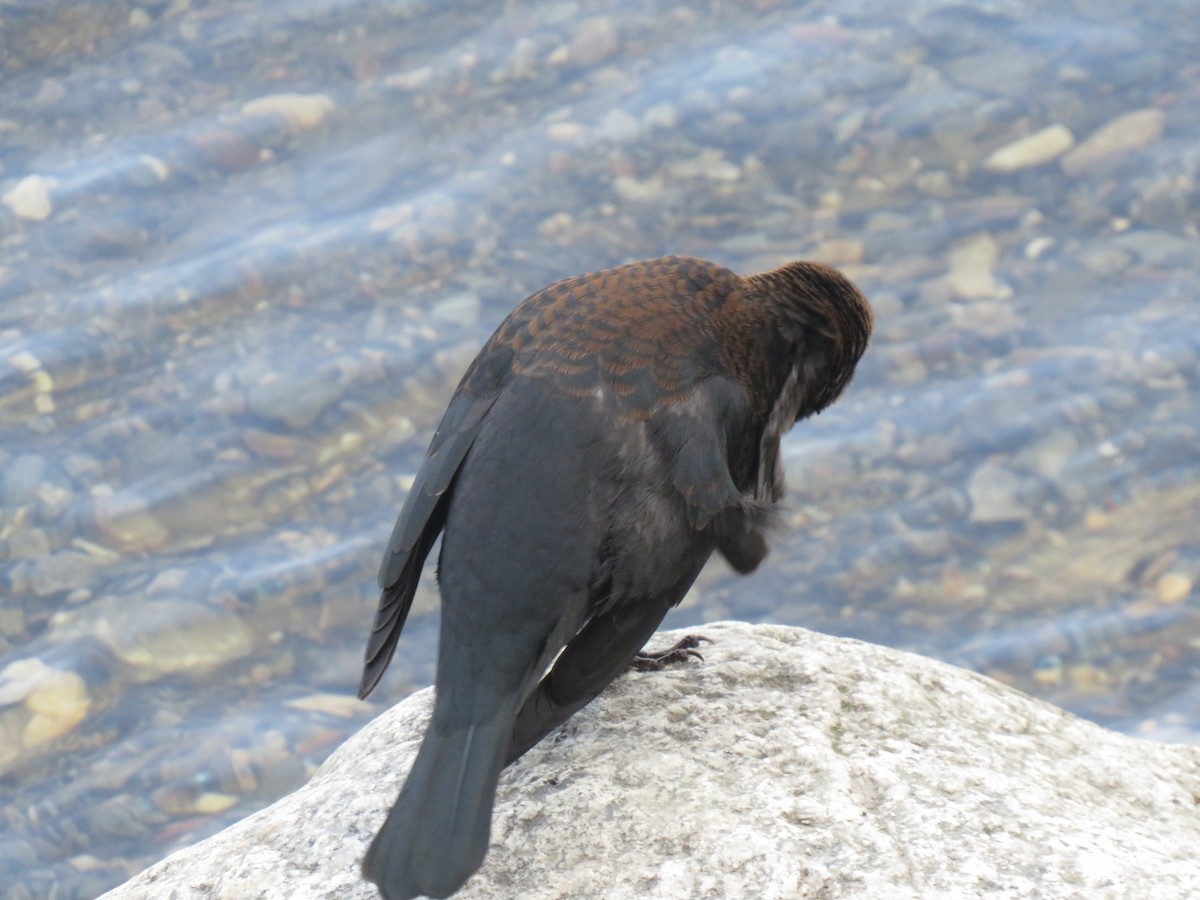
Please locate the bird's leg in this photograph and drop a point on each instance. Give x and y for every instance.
(600, 652)
(685, 649)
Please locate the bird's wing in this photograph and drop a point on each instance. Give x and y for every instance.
(642, 338)
(695, 436)
(420, 521)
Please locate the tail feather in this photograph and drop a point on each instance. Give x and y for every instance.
(437, 833)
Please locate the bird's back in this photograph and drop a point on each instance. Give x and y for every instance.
(645, 329)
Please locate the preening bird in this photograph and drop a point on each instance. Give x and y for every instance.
(616, 429)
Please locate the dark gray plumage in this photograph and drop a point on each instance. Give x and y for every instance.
(615, 430)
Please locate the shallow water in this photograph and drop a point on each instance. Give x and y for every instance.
(246, 250)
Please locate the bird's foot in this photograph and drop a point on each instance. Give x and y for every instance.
(684, 650)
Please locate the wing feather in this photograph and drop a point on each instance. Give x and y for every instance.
(420, 522)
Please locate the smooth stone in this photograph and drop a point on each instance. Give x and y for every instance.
(994, 493)
(1037, 149)
(788, 764)
(1118, 137)
(29, 198)
(299, 111)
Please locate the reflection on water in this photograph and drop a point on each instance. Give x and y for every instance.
(247, 250)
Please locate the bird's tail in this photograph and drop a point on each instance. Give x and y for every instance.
(436, 834)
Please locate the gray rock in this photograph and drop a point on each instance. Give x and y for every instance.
(63, 571)
(996, 495)
(295, 401)
(1036, 149)
(1159, 248)
(21, 478)
(788, 764)
(1114, 140)
(458, 309)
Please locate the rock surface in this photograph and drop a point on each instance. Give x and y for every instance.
(788, 764)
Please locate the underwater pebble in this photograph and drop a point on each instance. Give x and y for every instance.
(1037, 149)
(994, 493)
(462, 309)
(594, 41)
(169, 636)
(299, 111)
(1122, 135)
(29, 198)
(1173, 587)
(971, 264)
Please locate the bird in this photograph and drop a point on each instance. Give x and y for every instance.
(616, 430)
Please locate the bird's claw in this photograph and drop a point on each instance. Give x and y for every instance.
(684, 650)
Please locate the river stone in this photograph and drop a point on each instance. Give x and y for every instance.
(1118, 137)
(787, 765)
(1037, 149)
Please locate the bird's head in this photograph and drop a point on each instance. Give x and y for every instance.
(821, 324)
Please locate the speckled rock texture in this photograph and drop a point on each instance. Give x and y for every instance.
(787, 764)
